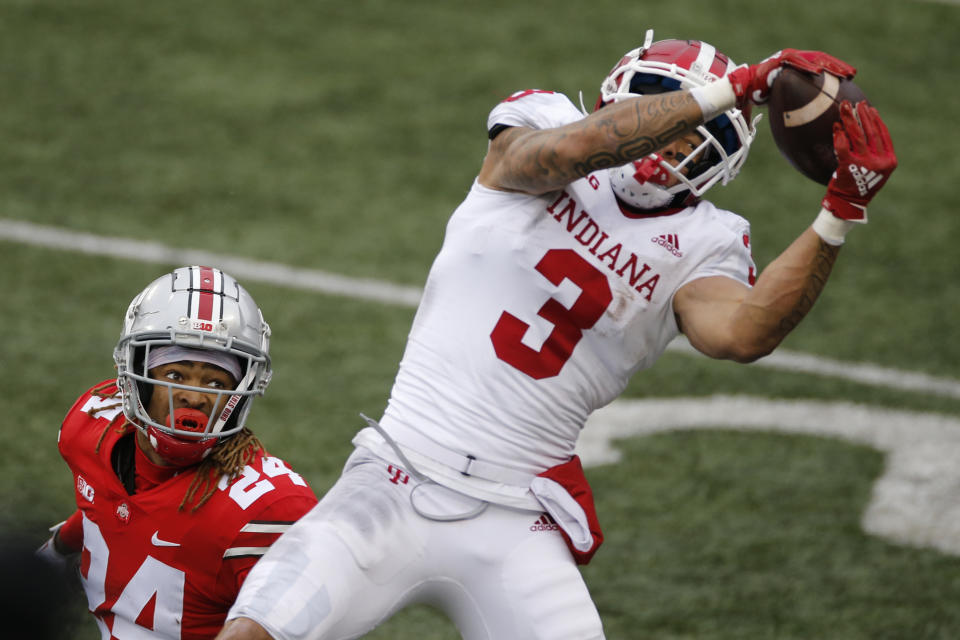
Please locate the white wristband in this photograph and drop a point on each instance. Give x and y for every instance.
(832, 229)
(714, 98)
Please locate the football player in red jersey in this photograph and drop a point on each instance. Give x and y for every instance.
(581, 250)
(177, 498)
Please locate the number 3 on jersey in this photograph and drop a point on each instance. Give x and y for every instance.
(568, 324)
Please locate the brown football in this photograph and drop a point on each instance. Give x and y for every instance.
(802, 109)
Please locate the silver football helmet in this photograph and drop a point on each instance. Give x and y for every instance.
(204, 312)
(669, 65)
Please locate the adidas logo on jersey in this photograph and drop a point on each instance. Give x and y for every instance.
(670, 242)
(544, 523)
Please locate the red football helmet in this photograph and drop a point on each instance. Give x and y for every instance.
(670, 65)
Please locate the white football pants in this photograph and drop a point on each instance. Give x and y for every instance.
(364, 552)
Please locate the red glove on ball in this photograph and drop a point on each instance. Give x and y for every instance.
(752, 83)
(865, 160)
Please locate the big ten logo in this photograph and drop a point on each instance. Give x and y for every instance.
(200, 325)
(84, 489)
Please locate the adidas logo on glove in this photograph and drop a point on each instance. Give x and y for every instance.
(865, 178)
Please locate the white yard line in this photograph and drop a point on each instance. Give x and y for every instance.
(861, 373)
(240, 268)
(380, 291)
(914, 501)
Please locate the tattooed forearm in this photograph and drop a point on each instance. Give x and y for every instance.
(823, 262)
(612, 136)
(633, 129)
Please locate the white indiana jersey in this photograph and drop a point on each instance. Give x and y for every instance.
(539, 309)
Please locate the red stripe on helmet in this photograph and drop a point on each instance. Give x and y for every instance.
(719, 66)
(683, 53)
(205, 289)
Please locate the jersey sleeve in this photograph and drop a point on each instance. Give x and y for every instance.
(730, 256)
(257, 535)
(71, 533)
(73, 422)
(92, 410)
(534, 108)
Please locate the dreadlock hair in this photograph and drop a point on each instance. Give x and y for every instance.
(227, 458)
(101, 391)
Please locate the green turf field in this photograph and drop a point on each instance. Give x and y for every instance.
(339, 136)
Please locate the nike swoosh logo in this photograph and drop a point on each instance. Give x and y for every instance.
(157, 542)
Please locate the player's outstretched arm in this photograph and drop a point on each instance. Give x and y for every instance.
(726, 319)
(538, 161)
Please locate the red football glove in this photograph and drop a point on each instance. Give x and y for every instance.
(752, 83)
(865, 160)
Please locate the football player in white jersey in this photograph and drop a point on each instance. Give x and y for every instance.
(582, 249)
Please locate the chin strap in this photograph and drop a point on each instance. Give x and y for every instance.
(233, 401)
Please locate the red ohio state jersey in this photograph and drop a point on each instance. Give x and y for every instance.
(151, 570)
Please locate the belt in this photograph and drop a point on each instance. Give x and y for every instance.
(466, 464)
